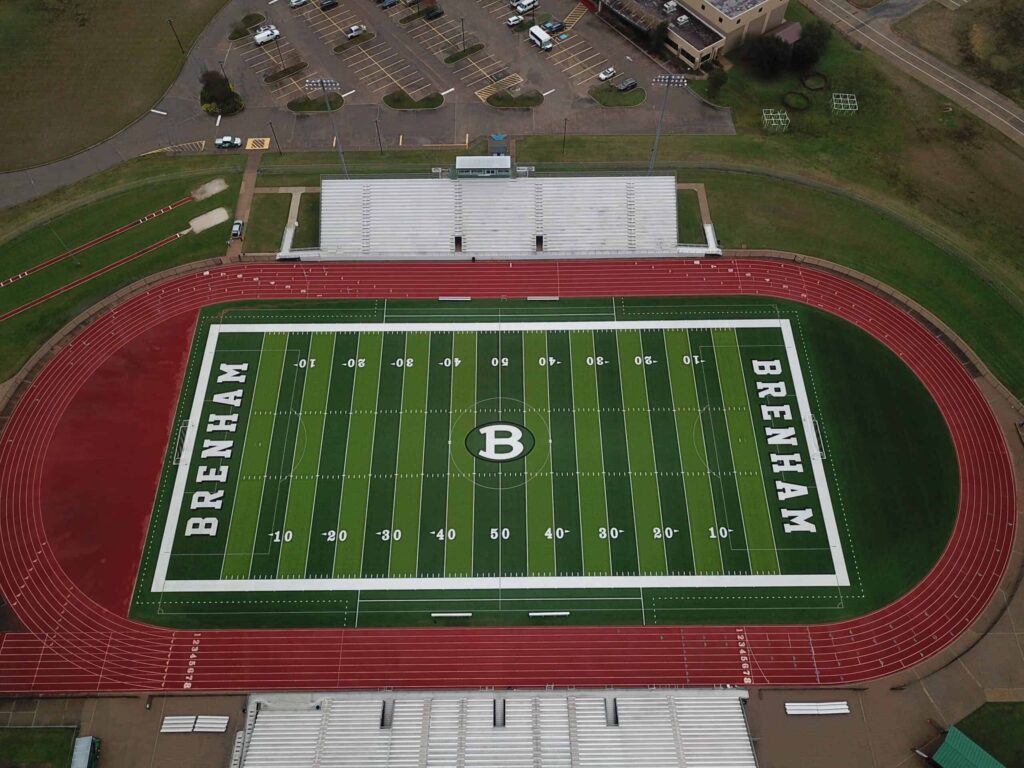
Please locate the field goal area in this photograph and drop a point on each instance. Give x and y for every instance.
(488, 456)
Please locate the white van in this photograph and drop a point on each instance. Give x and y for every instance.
(540, 38)
(525, 6)
(266, 34)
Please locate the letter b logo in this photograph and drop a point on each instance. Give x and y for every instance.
(499, 442)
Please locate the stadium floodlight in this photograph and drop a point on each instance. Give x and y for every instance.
(322, 84)
(669, 81)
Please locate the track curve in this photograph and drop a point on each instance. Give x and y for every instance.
(75, 644)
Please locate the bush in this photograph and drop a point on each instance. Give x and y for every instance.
(804, 56)
(816, 34)
(657, 37)
(216, 96)
(717, 79)
(768, 55)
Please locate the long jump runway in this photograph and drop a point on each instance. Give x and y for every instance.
(75, 644)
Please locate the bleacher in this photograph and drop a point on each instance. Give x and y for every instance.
(526, 217)
(636, 728)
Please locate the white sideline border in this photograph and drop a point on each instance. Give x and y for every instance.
(840, 577)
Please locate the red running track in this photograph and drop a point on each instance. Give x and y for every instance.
(76, 644)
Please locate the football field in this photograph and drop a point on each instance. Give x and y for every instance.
(557, 454)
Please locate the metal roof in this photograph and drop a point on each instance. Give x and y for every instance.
(639, 728)
(960, 751)
(476, 162)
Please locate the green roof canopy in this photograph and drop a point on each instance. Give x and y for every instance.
(959, 751)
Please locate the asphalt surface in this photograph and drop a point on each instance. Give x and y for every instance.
(397, 51)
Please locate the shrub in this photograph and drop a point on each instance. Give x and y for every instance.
(816, 34)
(768, 55)
(216, 88)
(804, 56)
(657, 37)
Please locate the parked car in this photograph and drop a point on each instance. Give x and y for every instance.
(236, 229)
(514, 21)
(326, 5)
(227, 142)
(296, 3)
(355, 31)
(434, 13)
(525, 6)
(626, 85)
(389, 4)
(553, 27)
(606, 74)
(266, 34)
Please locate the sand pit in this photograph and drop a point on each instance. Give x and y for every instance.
(209, 219)
(209, 189)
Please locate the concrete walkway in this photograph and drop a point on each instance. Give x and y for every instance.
(873, 29)
(244, 205)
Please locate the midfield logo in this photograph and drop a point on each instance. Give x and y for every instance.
(500, 441)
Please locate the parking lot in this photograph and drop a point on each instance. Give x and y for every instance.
(375, 62)
(264, 60)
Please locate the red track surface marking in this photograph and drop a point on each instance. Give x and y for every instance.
(101, 239)
(76, 643)
(86, 278)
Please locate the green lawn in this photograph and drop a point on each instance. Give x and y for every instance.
(66, 87)
(691, 227)
(133, 195)
(307, 234)
(36, 747)
(267, 220)
(757, 212)
(304, 169)
(999, 729)
(402, 100)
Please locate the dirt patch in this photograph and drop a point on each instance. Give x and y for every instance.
(209, 219)
(209, 189)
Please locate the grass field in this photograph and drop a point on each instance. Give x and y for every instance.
(59, 53)
(24, 333)
(690, 227)
(998, 727)
(50, 747)
(267, 219)
(631, 471)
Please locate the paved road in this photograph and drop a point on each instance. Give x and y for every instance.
(873, 29)
(462, 115)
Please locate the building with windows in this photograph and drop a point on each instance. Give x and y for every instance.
(698, 30)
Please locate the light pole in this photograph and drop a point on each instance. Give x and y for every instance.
(170, 23)
(463, 22)
(669, 81)
(274, 134)
(222, 70)
(322, 83)
(565, 127)
(376, 124)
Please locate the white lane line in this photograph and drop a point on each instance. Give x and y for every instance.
(158, 112)
(346, 95)
(445, 93)
(548, 93)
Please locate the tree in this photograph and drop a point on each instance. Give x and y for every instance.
(716, 80)
(656, 37)
(216, 88)
(768, 55)
(816, 34)
(804, 56)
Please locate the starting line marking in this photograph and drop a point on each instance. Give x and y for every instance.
(543, 614)
(451, 615)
